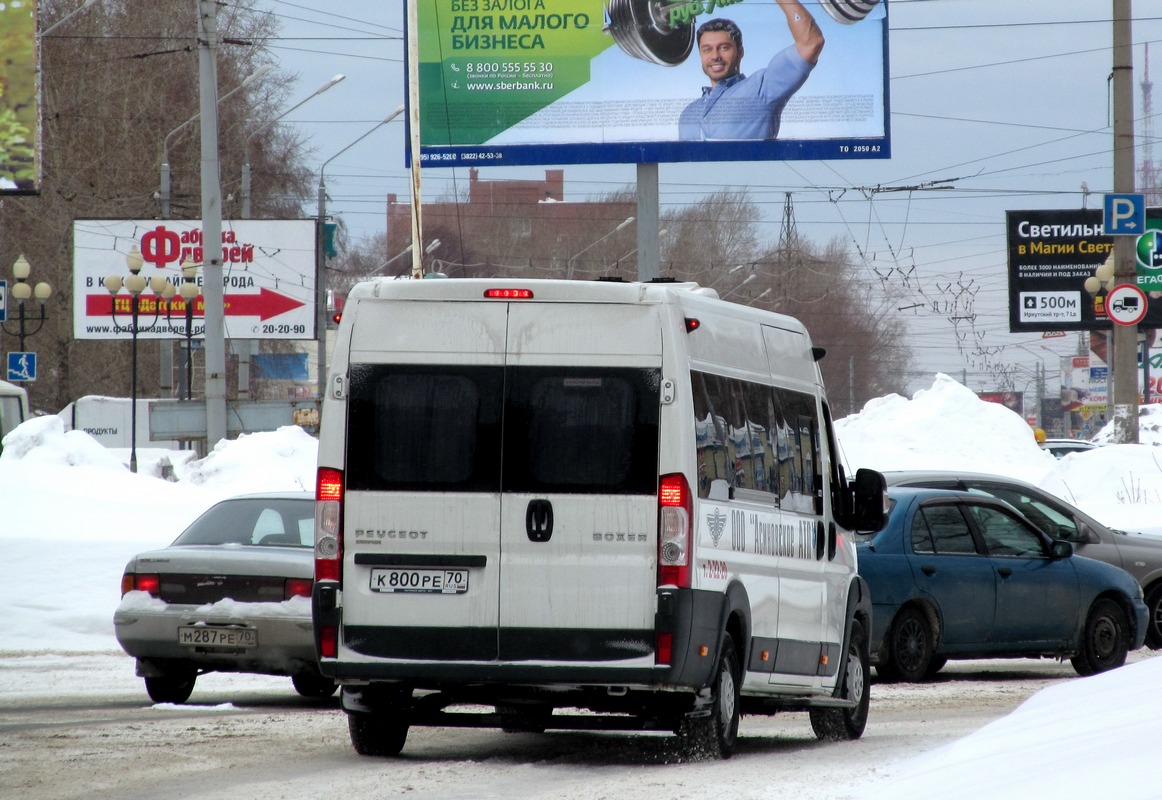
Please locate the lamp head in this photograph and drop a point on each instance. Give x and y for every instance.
(133, 260)
(20, 268)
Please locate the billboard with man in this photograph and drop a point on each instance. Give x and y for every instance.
(515, 82)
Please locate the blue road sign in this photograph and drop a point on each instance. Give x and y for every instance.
(3, 301)
(1124, 214)
(21, 367)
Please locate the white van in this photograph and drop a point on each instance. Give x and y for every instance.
(13, 408)
(549, 497)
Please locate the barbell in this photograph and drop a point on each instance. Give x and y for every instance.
(647, 30)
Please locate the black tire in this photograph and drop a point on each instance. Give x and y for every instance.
(173, 687)
(377, 734)
(837, 724)
(936, 664)
(716, 736)
(910, 647)
(1154, 618)
(1105, 640)
(312, 684)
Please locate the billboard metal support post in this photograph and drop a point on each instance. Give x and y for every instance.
(647, 222)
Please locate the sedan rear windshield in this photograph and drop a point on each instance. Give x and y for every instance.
(282, 522)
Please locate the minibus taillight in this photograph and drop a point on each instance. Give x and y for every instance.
(328, 524)
(675, 510)
(508, 294)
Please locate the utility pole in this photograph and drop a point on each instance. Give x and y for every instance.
(212, 226)
(1124, 337)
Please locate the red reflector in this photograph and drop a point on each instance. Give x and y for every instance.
(326, 569)
(664, 652)
(508, 294)
(329, 485)
(671, 492)
(692, 324)
(297, 587)
(328, 641)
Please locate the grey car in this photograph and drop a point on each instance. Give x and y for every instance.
(1139, 555)
(231, 594)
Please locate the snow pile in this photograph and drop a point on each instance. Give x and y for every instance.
(944, 427)
(948, 427)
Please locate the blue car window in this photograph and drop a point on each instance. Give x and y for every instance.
(921, 536)
(948, 530)
(1005, 535)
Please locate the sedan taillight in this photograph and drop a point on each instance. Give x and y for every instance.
(297, 587)
(131, 582)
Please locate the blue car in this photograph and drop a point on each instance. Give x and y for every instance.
(955, 575)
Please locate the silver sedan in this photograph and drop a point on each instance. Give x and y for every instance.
(231, 594)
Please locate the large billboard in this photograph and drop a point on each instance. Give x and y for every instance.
(19, 108)
(268, 278)
(518, 82)
(1051, 256)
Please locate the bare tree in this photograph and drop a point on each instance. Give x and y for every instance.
(847, 313)
(117, 79)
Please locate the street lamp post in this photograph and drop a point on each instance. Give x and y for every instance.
(321, 258)
(246, 145)
(748, 279)
(166, 188)
(135, 284)
(21, 292)
(407, 251)
(189, 293)
(569, 264)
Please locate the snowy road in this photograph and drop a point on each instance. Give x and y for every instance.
(79, 725)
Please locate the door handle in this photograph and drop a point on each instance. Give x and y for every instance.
(539, 520)
(928, 570)
(1005, 571)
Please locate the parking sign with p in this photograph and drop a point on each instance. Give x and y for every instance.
(1124, 214)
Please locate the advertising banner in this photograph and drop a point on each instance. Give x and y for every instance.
(19, 106)
(268, 278)
(1053, 253)
(518, 82)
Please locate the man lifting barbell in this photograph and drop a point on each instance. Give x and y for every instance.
(737, 106)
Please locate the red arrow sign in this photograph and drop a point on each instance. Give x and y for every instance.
(264, 305)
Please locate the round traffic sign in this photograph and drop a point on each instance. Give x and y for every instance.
(1126, 304)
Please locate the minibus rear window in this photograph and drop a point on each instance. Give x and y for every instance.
(565, 429)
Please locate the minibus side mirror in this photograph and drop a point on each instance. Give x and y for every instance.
(869, 509)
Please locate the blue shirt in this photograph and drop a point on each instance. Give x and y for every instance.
(742, 107)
